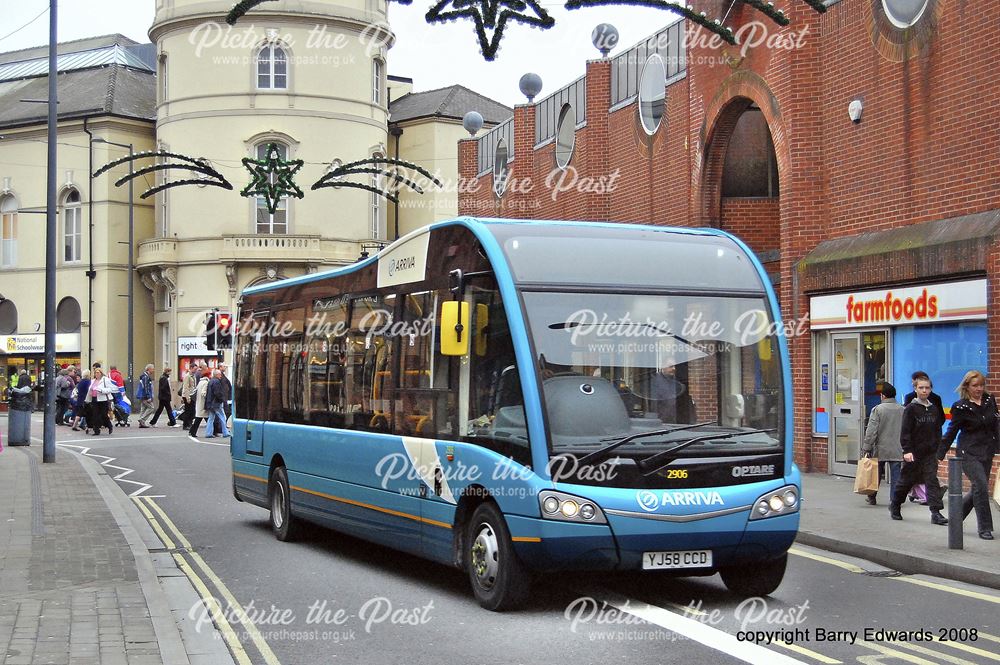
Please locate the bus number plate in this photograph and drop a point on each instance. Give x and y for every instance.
(688, 559)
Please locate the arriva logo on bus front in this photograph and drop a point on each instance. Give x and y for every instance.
(651, 501)
(892, 309)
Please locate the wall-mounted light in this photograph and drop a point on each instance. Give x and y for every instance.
(855, 109)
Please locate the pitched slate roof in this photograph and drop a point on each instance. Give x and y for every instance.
(451, 102)
(98, 76)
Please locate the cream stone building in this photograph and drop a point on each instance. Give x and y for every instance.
(306, 75)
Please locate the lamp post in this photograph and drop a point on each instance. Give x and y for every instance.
(131, 261)
(51, 238)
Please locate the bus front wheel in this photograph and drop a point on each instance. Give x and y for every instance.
(283, 524)
(755, 579)
(499, 580)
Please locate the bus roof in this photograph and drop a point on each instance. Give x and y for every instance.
(481, 224)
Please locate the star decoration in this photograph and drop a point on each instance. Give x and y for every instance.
(272, 177)
(490, 15)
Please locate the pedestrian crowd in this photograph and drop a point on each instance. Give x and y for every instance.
(907, 439)
(92, 401)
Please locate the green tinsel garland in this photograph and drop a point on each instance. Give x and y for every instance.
(494, 17)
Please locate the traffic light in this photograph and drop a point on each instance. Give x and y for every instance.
(224, 336)
(210, 331)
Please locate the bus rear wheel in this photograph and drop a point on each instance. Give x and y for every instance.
(283, 524)
(499, 580)
(755, 579)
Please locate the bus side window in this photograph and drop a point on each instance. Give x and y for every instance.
(369, 369)
(288, 367)
(496, 417)
(245, 406)
(327, 359)
(426, 398)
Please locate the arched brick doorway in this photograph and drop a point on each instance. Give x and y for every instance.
(741, 180)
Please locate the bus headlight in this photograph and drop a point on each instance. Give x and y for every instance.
(568, 508)
(783, 501)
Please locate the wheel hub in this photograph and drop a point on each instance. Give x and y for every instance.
(278, 505)
(486, 557)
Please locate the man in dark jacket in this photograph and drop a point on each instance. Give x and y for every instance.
(163, 396)
(144, 393)
(64, 386)
(227, 408)
(920, 437)
(214, 399)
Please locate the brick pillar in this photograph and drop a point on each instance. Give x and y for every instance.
(597, 145)
(993, 339)
(517, 202)
(468, 165)
(803, 212)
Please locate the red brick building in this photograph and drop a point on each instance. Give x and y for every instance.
(760, 140)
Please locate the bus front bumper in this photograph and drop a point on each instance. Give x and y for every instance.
(622, 543)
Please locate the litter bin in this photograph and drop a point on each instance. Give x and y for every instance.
(19, 417)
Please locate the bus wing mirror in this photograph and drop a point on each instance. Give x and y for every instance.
(454, 322)
(482, 323)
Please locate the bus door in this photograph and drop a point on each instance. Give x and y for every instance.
(257, 401)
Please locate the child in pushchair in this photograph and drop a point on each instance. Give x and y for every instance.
(122, 408)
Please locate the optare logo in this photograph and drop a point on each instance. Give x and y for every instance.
(648, 501)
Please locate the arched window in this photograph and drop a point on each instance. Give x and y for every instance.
(272, 67)
(8, 232)
(68, 317)
(72, 227)
(268, 223)
(8, 317)
(377, 203)
(377, 82)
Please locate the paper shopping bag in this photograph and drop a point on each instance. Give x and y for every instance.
(866, 479)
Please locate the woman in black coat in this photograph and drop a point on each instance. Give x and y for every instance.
(975, 416)
(80, 408)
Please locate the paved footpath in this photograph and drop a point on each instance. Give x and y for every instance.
(78, 584)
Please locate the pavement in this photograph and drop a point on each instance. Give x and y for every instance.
(836, 519)
(85, 579)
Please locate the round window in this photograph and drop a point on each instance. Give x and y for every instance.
(500, 168)
(565, 136)
(652, 93)
(68, 316)
(8, 317)
(904, 13)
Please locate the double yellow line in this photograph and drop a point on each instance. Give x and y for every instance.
(173, 539)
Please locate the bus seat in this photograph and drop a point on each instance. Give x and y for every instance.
(584, 406)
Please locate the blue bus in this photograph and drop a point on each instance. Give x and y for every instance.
(514, 398)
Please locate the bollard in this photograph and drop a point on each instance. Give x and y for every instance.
(955, 517)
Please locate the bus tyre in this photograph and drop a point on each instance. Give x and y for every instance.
(283, 524)
(755, 579)
(499, 580)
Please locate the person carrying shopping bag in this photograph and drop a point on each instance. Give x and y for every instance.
(882, 437)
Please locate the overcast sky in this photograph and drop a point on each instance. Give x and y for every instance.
(434, 56)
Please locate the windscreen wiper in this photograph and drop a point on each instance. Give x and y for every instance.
(603, 452)
(669, 455)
